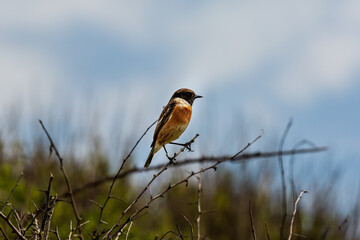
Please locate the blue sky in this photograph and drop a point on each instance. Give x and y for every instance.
(257, 64)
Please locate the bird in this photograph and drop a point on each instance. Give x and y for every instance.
(173, 121)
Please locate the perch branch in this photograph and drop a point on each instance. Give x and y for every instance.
(204, 159)
(171, 186)
(143, 191)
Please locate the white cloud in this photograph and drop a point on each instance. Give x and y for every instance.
(217, 43)
(327, 65)
(25, 75)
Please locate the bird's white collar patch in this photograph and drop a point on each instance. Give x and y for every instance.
(182, 102)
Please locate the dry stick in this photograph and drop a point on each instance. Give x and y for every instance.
(3, 233)
(64, 173)
(293, 214)
(47, 206)
(185, 180)
(7, 220)
(51, 208)
(34, 216)
(114, 178)
(12, 190)
(284, 204)
(253, 231)
(198, 208)
(204, 159)
(190, 225)
(127, 233)
(56, 232)
(143, 191)
(168, 232)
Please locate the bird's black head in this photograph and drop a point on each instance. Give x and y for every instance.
(186, 94)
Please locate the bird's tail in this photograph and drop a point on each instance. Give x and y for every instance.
(150, 157)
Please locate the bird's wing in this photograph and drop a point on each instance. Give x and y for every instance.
(164, 118)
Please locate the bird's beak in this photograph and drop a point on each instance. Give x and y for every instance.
(198, 96)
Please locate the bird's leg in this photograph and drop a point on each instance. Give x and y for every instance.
(171, 159)
(186, 145)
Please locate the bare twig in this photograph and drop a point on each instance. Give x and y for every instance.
(168, 232)
(3, 233)
(248, 145)
(299, 235)
(17, 231)
(198, 208)
(127, 233)
(204, 159)
(284, 204)
(190, 225)
(73, 203)
(294, 212)
(253, 231)
(71, 231)
(12, 190)
(171, 186)
(143, 191)
(49, 214)
(56, 232)
(48, 207)
(114, 178)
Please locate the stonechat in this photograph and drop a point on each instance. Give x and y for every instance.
(173, 120)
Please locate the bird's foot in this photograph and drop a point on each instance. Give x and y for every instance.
(187, 145)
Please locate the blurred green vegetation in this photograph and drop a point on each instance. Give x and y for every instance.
(225, 199)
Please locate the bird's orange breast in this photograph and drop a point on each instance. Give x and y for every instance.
(178, 122)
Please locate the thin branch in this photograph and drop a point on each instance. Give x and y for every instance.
(253, 231)
(143, 191)
(294, 212)
(73, 203)
(56, 232)
(3, 233)
(248, 145)
(49, 214)
(171, 186)
(127, 233)
(189, 161)
(198, 208)
(17, 231)
(12, 190)
(47, 206)
(190, 225)
(284, 204)
(114, 178)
